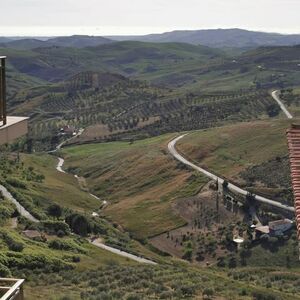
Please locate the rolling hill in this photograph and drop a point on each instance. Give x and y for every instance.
(98, 87)
(218, 38)
(131, 58)
(75, 41)
(132, 98)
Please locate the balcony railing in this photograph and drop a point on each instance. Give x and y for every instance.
(2, 92)
(11, 289)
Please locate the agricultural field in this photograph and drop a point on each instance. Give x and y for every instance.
(170, 282)
(135, 90)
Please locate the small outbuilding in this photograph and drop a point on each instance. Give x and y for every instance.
(280, 226)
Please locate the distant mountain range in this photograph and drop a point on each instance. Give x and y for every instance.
(216, 38)
(5, 40)
(75, 41)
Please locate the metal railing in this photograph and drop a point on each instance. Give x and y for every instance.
(2, 91)
(11, 289)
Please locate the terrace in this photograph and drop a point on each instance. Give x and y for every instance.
(11, 128)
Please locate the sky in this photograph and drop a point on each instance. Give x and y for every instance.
(130, 17)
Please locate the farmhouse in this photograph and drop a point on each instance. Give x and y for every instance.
(68, 130)
(280, 226)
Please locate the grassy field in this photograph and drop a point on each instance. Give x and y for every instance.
(57, 187)
(139, 180)
(230, 149)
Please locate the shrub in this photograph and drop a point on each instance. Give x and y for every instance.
(79, 224)
(208, 292)
(4, 271)
(257, 295)
(61, 233)
(133, 297)
(16, 183)
(6, 210)
(15, 246)
(53, 227)
(11, 243)
(67, 245)
(55, 210)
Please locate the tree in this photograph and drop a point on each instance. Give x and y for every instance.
(208, 292)
(54, 210)
(79, 224)
(232, 262)
(225, 184)
(273, 110)
(250, 197)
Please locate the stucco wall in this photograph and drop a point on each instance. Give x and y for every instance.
(13, 131)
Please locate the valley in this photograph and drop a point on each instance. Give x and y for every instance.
(144, 163)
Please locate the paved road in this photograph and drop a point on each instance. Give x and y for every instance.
(98, 244)
(60, 163)
(232, 187)
(276, 97)
(22, 211)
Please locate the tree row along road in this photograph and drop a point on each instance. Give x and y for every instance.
(232, 187)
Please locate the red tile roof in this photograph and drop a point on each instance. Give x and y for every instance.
(293, 136)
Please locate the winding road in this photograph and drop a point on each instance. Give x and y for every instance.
(275, 95)
(232, 187)
(123, 253)
(98, 242)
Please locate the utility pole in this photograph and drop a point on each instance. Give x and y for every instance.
(217, 200)
(2, 91)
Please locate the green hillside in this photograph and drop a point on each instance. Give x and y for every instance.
(127, 101)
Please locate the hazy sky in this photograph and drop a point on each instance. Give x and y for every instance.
(105, 17)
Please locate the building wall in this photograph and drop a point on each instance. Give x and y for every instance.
(9, 133)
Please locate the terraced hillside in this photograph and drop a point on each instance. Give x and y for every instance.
(176, 83)
(112, 106)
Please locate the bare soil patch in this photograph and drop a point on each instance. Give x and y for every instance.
(203, 223)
